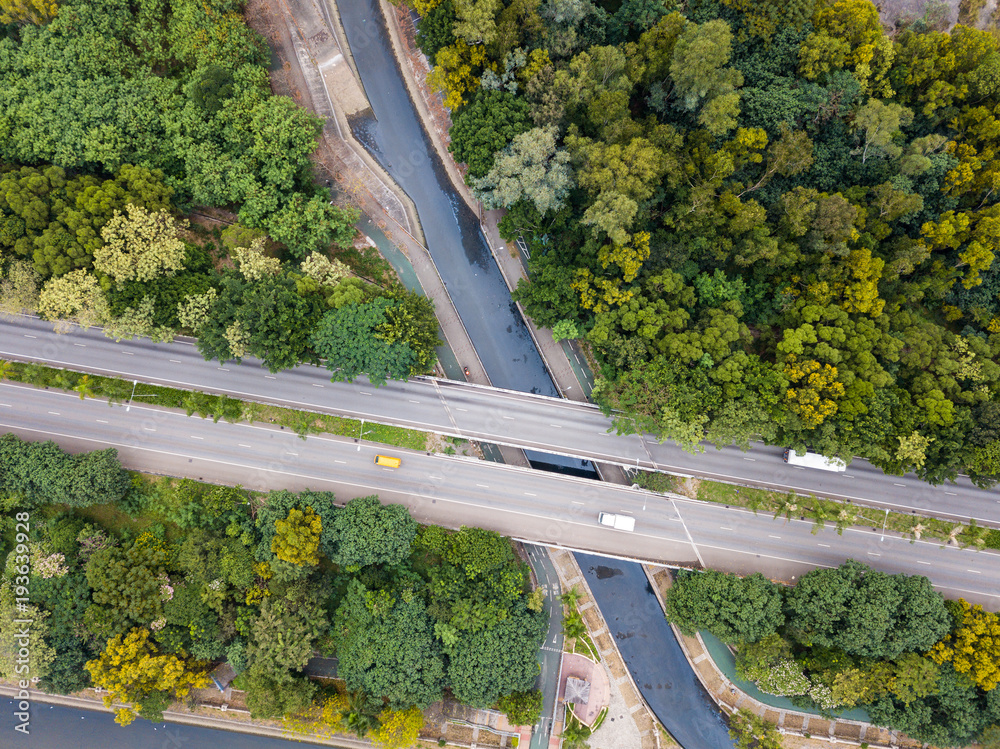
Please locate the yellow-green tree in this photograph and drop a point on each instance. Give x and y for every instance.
(325, 719)
(77, 295)
(628, 257)
(973, 233)
(861, 292)
(849, 34)
(19, 289)
(456, 71)
(297, 538)
(973, 648)
(132, 670)
(912, 450)
(398, 728)
(27, 11)
(253, 263)
(140, 246)
(814, 388)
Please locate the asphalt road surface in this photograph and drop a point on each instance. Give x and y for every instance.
(534, 506)
(550, 654)
(475, 412)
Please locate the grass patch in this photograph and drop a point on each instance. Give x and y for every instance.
(584, 646)
(600, 719)
(113, 519)
(992, 539)
(667, 741)
(655, 481)
(837, 515)
(208, 406)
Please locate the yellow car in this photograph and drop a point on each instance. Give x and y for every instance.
(387, 462)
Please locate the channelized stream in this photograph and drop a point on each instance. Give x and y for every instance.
(652, 653)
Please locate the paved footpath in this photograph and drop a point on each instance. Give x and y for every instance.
(234, 722)
(630, 724)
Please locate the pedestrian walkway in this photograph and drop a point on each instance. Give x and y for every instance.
(587, 702)
(730, 698)
(630, 723)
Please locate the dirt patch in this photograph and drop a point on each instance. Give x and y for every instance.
(940, 14)
(689, 487)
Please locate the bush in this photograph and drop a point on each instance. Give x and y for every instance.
(992, 539)
(522, 708)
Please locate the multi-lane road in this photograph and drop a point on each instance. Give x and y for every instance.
(532, 505)
(475, 412)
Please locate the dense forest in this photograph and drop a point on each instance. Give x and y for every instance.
(768, 220)
(141, 585)
(116, 117)
(853, 636)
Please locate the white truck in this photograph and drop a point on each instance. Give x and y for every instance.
(618, 522)
(814, 460)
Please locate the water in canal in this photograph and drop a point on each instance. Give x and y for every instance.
(652, 653)
(54, 727)
(396, 138)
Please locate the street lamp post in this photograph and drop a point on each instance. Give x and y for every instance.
(361, 434)
(129, 406)
(886, 520)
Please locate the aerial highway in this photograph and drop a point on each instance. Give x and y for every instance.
(535, 506)
(475, 412)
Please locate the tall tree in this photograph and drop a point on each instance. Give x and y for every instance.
(132, 670)
(734, 609)
(865, 612)
(142, 246)
(530, 168)
(352, 340)
(386, 646)
(369, 532)
(488, 664)
(973, 647)
(265, 318)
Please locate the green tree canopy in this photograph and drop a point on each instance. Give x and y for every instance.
(865, 612)
(369, 532)
(734, 609)
(386, 646)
